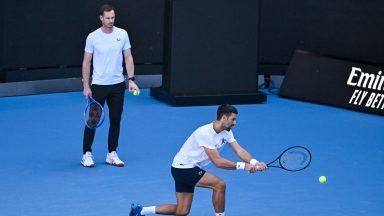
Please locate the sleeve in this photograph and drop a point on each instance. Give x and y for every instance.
(204, 140)
(127, 43)
(89, 44)
(231, 138)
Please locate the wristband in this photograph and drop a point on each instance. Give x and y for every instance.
(253, 161)
(240, 165)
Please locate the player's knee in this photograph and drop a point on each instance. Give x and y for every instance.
(182, 212)
(220, 186)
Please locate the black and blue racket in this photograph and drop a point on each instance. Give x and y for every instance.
(93, 114)
(293, 159)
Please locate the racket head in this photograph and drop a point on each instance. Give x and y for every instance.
(93, 114)
(294, 159)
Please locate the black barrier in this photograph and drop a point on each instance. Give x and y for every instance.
(353, 85)
(211, 53)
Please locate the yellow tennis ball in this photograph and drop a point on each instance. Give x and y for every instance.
(136, 92)
(322, 179)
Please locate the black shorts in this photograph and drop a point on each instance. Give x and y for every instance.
(186, 179)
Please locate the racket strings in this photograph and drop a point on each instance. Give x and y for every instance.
(94, 114)
(295, 159)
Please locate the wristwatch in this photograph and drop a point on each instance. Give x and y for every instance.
(131, 78)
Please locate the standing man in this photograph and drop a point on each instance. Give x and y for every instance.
(201, 148)
(106, 46)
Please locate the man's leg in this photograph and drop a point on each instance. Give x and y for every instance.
(218, 185)
(185, 181)
(99, 93)
(115, 103)
(184, 202)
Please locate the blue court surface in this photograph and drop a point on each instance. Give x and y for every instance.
(41, 148)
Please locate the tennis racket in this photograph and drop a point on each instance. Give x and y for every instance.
(93, 114)
(293, 159)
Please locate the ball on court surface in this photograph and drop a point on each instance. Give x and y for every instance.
(136, 92)
(322, 179)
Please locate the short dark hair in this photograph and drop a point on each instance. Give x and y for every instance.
(225, 109)
(105, 8)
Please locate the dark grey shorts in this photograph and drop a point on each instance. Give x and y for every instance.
(186, 179)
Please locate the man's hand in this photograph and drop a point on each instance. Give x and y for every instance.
(132, 86)
(87, 92)
(260, 166)
(250, 168)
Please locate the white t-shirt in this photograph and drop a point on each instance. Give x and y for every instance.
(192, 153)
(107, 50)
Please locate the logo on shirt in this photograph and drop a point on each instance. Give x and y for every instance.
(219, 145)
(118, 39)
(200, 173)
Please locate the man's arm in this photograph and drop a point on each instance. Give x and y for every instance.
(223, 163)
(129, 65)
(246, 156)
(86, 71)
(241, 152)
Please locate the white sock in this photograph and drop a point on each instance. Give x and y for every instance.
(148, 210)
(220, 214)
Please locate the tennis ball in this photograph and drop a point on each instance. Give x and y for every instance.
(136, 92)
(322, 179)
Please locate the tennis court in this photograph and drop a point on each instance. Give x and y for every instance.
(41, 146)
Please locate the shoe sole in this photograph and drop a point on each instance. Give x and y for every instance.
(116, 165)
(90, 166)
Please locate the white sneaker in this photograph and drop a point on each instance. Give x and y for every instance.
(114, 160)
(87, 160)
